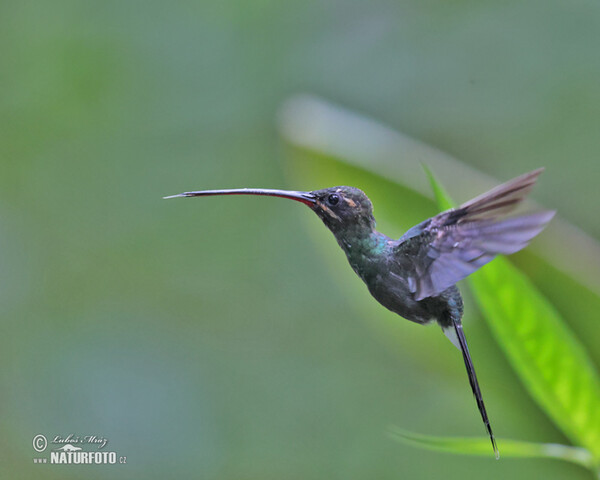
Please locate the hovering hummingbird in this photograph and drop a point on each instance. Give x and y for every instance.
(415, 276)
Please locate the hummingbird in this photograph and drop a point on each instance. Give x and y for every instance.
(415, 276)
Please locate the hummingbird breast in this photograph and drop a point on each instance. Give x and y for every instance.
(392, 291)
(386, 277)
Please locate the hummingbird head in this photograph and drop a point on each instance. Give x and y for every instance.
(342, 208)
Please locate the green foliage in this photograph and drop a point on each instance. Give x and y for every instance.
(441, 196)
(550, 361)
(481, 447)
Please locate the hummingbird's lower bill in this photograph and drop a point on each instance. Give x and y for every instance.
(415, 276)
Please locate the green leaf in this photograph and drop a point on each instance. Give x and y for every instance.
(552, 364)
(481, 447)
(441, 196)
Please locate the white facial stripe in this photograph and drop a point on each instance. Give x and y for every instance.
(329, 211)
(350, 202)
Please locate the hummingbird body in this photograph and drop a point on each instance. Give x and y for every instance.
(373, 258)
(415, 276)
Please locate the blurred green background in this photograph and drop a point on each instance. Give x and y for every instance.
(210, 338)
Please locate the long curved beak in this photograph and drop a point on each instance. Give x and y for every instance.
(305, 197)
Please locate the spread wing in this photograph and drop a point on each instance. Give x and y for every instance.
(455, 243)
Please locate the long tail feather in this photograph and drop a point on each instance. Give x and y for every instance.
(473, 381)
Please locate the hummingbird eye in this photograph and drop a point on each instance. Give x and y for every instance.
(333, 199)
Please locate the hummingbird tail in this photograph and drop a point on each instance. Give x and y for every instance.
(462, 343)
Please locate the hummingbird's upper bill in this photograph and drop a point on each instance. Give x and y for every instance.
(305, 197)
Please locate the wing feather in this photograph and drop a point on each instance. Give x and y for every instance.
(455, 243)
